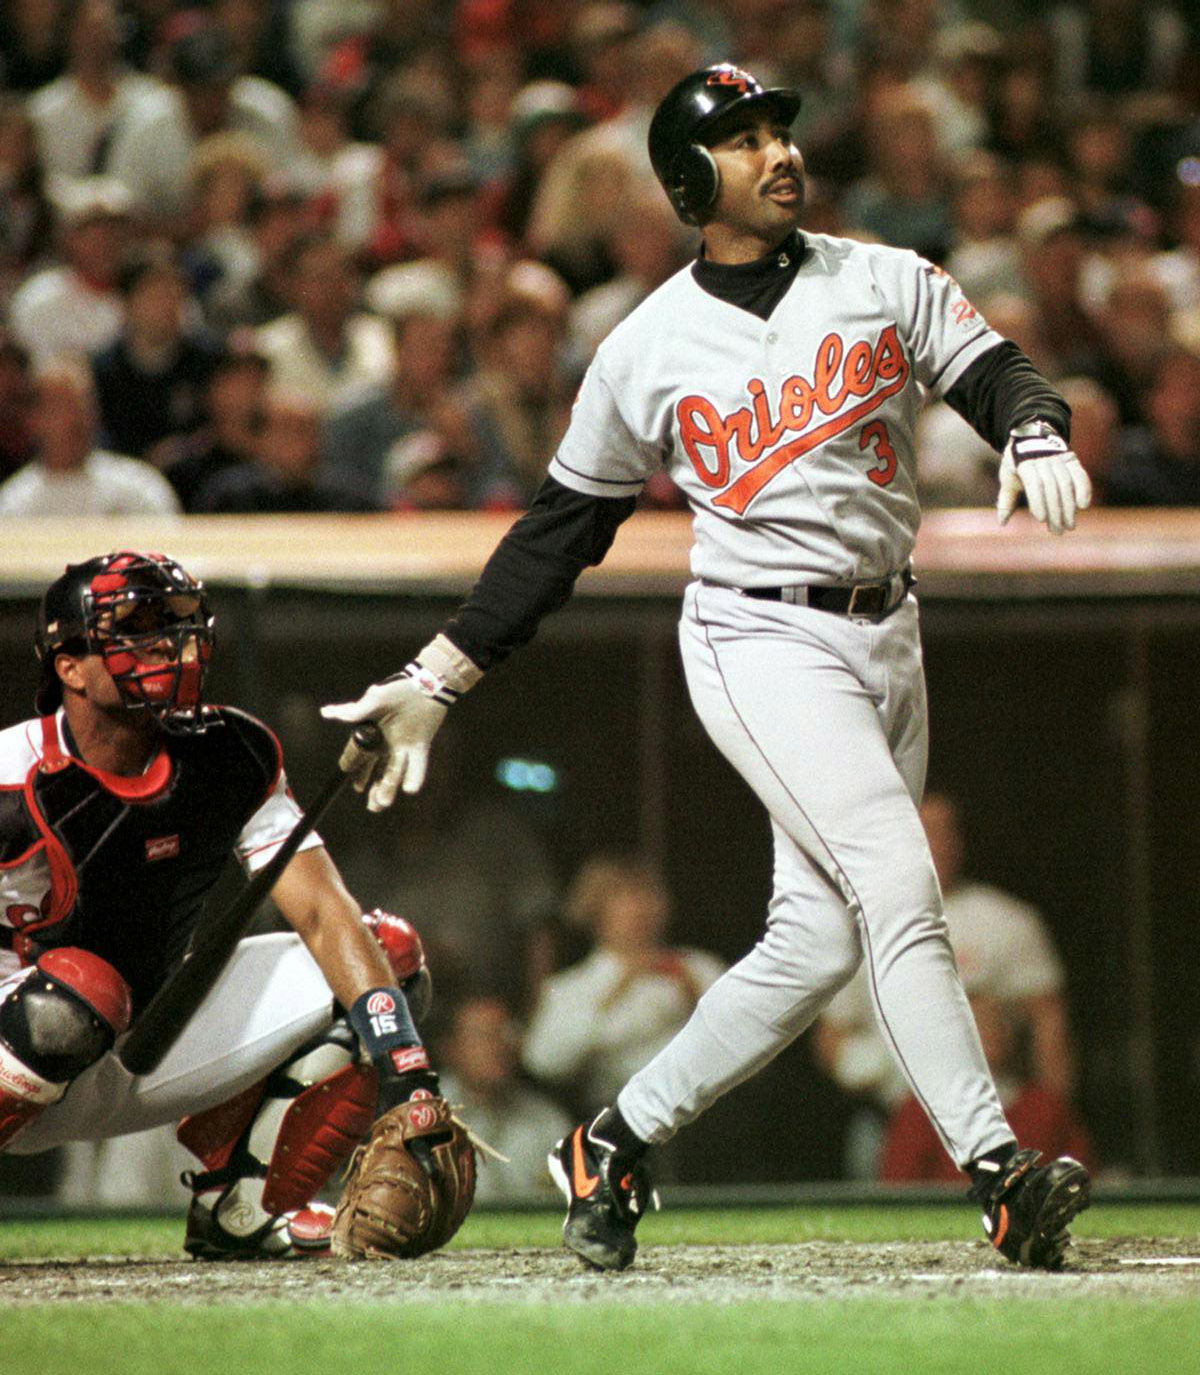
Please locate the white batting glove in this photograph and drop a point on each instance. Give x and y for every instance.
(409, 708)
(1039, 462)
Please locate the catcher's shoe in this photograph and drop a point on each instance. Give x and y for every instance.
(214, 1219)
(1027, 1210)
(606, 1196)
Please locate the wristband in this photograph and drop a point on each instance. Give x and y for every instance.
(385, 1030)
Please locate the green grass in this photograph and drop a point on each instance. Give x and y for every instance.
(938, 1334)
(865, 1336)
(66, 1238)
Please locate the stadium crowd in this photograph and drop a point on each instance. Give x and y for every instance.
(304, 255)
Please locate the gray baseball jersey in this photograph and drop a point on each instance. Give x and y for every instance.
(792, 437)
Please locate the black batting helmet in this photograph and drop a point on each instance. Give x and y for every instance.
(149, 619)
(686, 113)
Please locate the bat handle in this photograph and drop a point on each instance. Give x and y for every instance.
(367, 736)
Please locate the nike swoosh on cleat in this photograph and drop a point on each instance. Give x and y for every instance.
(583, 1184)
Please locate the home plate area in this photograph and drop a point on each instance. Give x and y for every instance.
(1137, 1267)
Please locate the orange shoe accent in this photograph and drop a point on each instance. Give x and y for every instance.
(584, 1184)
(1002, 1230)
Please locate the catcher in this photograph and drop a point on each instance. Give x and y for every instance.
(120, 803)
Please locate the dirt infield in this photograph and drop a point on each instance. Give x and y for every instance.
(1137, 1268)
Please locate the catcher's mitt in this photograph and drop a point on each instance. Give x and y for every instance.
(409, 1187)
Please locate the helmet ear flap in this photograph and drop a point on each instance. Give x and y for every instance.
(694, 183)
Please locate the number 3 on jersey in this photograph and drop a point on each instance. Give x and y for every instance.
(875, 435)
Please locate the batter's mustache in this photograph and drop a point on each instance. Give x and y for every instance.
(792, 178)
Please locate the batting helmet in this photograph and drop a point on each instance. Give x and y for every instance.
(687, 112)
(148, 618)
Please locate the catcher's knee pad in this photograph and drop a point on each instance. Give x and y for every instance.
(270, 1149)
(57, 1021)
(405, 951)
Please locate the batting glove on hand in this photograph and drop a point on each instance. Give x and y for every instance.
(1056, 485)
(409, 708)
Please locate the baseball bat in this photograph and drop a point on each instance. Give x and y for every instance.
(172, 1007)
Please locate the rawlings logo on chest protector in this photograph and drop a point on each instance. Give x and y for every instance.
(752, 434)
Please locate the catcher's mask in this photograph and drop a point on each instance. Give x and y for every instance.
(687, 117)
(148, 619)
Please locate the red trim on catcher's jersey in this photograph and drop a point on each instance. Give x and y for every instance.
(64, 885)
(141, 787)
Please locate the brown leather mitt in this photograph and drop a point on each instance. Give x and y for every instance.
(409, 1187)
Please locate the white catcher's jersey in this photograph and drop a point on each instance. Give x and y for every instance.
(792, 437)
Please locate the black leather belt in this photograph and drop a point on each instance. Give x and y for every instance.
(873, 601)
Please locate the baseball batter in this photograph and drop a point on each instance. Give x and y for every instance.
(120, 804)
(778, 379)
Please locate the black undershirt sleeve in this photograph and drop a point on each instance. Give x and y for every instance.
(533, 569)
(1002, 388)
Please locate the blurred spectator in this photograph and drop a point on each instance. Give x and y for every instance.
(1051, 235)
(960, 87)
(325, 348)
(955, 466)
(370, 443)
(903, 197)
(897, 37)
(75, 115)
(1178, 268)
(233, 407)
(1004, 953)
(648, 245)
(31, 43)
(1136, 321)
(26, 214)
(545, 114)
(477, 1065)
(414, 144)
(1115, 47)
(150, 383)
(69, 475)
(152, 148)
(258, 40)
(282, 476)
(75, 307)
(487, 114)
(602, 38)
(576, 210)
(1159, 464)
(985, 259)
(1099, 150)
(600, 1020)
(912, 1150)
(519, 401)
(336, 172)
(228, 174)
(1024, 120)
(363, 47)
(1095, 423)
(16, 441)
(450, 219)
(276, 218)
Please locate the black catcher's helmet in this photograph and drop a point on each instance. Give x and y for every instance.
(150, 620)
(691, 107)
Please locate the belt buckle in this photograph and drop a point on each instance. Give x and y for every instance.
(875, 592)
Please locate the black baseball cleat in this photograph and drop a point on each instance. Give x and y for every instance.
(606, 1196)
(1028, 1209)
